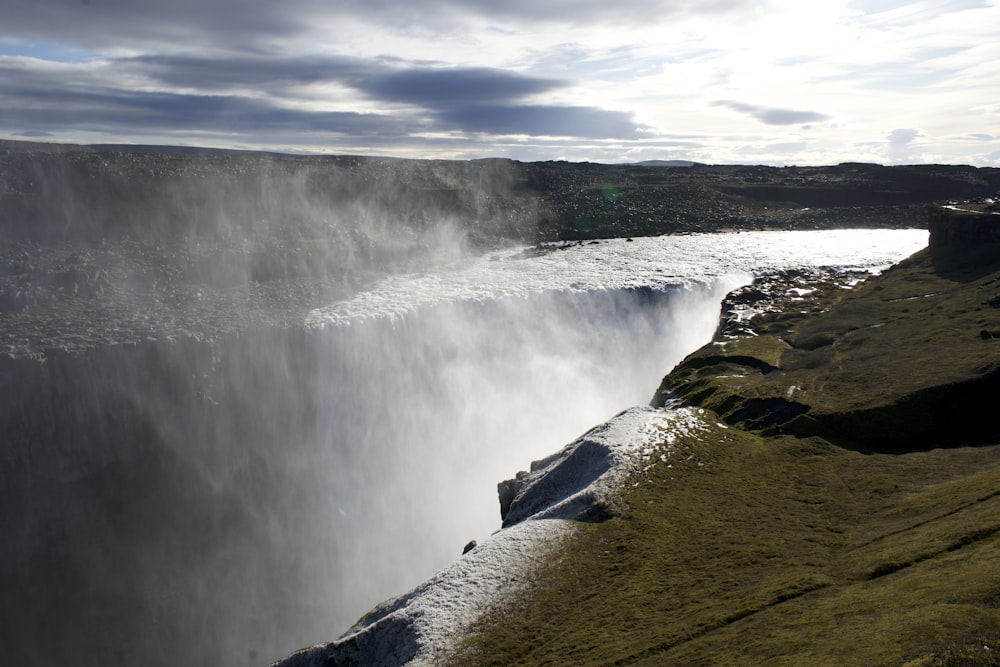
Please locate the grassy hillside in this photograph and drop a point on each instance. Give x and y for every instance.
(860, 526)
(910, 360)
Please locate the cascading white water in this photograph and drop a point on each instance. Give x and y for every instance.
(442, 384)
(426, 412)
(227, 502)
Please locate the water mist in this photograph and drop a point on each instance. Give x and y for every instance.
(167, 477)
(428, 411)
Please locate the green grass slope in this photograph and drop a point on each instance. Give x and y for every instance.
(810, 536)
(906, 361)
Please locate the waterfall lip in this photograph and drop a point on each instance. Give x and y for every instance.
(659, 262)
(369, 306)
(500, 275)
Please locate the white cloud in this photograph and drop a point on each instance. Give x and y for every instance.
(459, 78)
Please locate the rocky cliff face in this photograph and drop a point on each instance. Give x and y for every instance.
(964, 225)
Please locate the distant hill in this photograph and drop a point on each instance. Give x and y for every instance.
(664, 163)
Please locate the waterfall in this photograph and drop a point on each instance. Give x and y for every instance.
(262, 493)
(226, 502)
(423, 414)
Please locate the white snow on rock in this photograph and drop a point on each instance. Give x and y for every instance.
(423, 626)
(420, 627)
(582, 480)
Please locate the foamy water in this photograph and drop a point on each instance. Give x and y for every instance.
(620, 264)
(456, 378)
(437, 385)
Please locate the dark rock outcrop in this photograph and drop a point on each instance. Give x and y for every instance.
(507, 490)
(963, 225)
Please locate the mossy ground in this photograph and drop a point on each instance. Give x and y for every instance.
(908, 357)
(745, 548)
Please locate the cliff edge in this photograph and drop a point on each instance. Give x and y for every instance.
(837, 504)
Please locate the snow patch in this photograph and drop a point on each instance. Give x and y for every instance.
(579, 481)
(421, 627)
(582, 481)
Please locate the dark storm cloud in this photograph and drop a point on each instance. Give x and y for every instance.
(486, 101)
(118, 111)
(476, 100)
(441, 88)
(101, 23)
(481, 100)
(386, 81)
(227, 24)
(240, 71)
(773, 115)
(233, 53)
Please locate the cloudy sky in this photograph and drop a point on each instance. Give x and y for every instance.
(717, 81)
